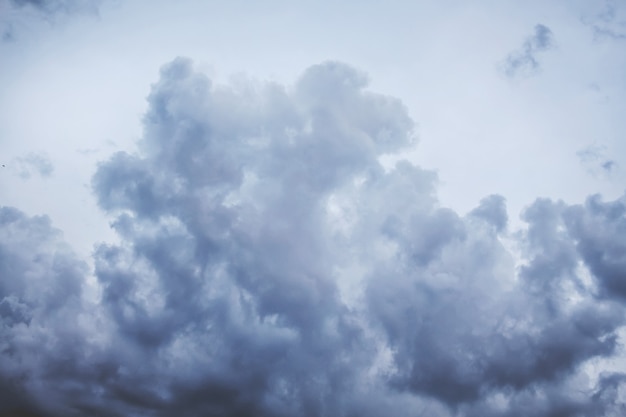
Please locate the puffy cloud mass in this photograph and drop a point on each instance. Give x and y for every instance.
(270, 265)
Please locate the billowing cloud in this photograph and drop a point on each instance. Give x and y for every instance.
(270, 265)
(524, 61)
(42, 312)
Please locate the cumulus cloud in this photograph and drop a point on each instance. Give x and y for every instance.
(269, 265)
(525, 61)
(41, 305)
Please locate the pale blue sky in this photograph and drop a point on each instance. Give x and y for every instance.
(74, 86)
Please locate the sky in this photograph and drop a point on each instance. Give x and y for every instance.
(312, 208)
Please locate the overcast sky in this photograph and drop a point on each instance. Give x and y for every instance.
(312, 208)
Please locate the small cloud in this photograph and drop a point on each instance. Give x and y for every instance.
(51, 7)
(524, 61)
(594, 158)
(608, 165)
(609, 23)
(88, 151)
(33, 163)
(8, 34)
(15, 15)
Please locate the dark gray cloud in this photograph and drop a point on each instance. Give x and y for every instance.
(598, 229)
(524, 61)
(269, 265)
(41, 284)
(462, 329)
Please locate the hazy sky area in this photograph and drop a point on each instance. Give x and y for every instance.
(312, 208)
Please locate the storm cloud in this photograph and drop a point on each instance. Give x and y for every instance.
(269, 264)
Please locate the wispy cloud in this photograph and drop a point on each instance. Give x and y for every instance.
(32, 163)
(609, 23)
(18, 12)
(525, 61)
(596, 160)
(58, 6)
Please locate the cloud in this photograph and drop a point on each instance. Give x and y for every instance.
(594, 158)
(50, 7)
(598, 228)
(19, 12)
(525, 61)
(32, 163)
(493, 210)
(474, 329)
(609, 23)
(270, 265)
(41, 283)
(8, 34)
